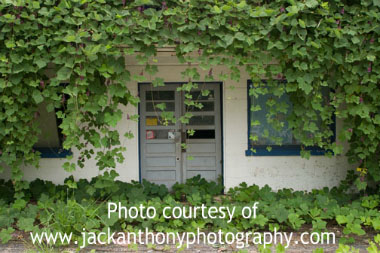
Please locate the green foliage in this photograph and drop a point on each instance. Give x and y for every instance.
(315, 46)
(60, 208)
(6, 234)
(197, 186)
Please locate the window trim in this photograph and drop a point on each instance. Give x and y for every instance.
(280, 150)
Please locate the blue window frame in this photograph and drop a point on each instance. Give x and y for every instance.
(259, 147)
(50, 140)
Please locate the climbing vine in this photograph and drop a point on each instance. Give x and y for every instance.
(314, 45)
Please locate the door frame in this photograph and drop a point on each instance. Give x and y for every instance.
(139, 84)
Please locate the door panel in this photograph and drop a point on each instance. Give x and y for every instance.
(201, 147)
(161, 176)
(159, 163)
(163, 159)
(203, 155)
(156, 148)
(209, 175)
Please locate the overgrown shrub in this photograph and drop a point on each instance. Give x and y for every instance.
(82, 204)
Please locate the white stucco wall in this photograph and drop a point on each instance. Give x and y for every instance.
(276, 171)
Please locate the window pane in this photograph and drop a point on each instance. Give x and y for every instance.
(155, 106)
(202, 134)
(201, 120)
(266, 133)
(160, 134)
(206, 107)
(49, 132)
(160, 95)
(197, 95)
(157, 121)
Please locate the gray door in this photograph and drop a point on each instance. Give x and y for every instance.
(169, 154)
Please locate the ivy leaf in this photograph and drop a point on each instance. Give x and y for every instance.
(360, 185)
(301, 23)
(161, 106)
(357, 229)
(69, 167)
(311, 3)
(216, 10)
(129, 135)
(355, 39)
(228, 39)
(38, 98)
(376, 120)
(63, 74)
(226, 7)
(71, 184)
(40, 62)
(112, 119)
(96, 36)
(70, 38)
(376, 224)
(314, 44)
(157, 82)
(305, 154)
(10, 44)
(36, 4)
(6, 235)
(281, 214)
(292, 10)
(143, 2)
(337, 149)
(319, 224)
(25, 224)
(304, 85)
(371, 57)
(341, 219)
(241, 5)
(240, 36)
(19, 204)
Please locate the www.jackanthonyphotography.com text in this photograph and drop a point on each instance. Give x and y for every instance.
(187, 239)
(197, 236)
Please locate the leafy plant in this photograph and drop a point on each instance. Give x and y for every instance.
(317, 46)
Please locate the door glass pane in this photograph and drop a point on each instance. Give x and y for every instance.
(201, 120)
(160, 134)
(160, 95)
(202, 134)
(197, 95)
(155, 106)
(206, 107)
(157, 121)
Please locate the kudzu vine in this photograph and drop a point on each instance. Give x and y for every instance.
(314, 45)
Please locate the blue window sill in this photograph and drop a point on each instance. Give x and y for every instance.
(53, 152)
(283, 151)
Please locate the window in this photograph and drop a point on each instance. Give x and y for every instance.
(264, 138)
(50, 140)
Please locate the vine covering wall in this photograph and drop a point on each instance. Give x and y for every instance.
(314, 45)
